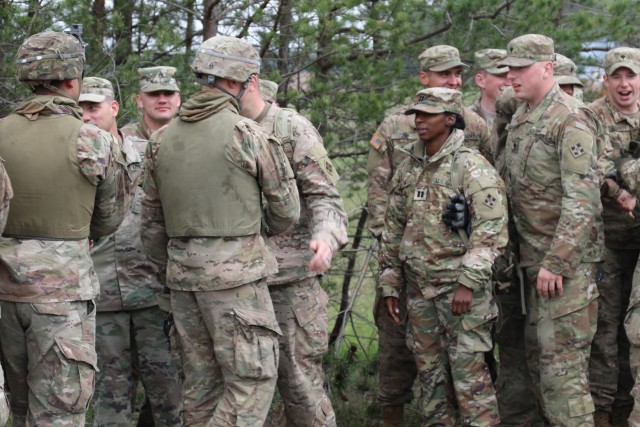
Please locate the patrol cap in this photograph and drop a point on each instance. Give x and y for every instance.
(269, 90)
(154, 79)
(95, 89)
(50, 56)
(619, 57)
(564, 71)
(489, 60)
(528, 49)
(437, 100)
(440, 58)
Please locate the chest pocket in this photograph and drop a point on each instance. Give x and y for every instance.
(537, 152)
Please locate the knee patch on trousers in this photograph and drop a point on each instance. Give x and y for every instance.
(581, 406)
(256, 344)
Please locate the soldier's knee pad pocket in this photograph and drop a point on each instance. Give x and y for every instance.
(581, 406)
(65, 375)
(256, 344)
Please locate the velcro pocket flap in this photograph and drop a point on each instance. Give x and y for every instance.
(256, 317)
(78, 351)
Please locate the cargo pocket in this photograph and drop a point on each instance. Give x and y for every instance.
(66, 375)
(581, 406)
(311, 316)
(256, 344)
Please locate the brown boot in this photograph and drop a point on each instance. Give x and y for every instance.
(392, 415)
(601, 419)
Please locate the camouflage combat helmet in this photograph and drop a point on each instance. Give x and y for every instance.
(50, 56)
(226, 57)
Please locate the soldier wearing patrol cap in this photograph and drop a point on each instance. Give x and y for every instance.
(553, 185)
(68, 188)
(440, 66)
(610, 376)
(564, 71)
(216, 186)
(158, 98)
(128, 321)
(490, 79)
(448, 279)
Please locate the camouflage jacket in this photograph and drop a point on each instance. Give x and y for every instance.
(137, 129)
(322, 214)
(398, 130)
(621, 231)
(38, 271)
(553, 185)
(485, 115)
(6, 194)
(418, 246)
(214, 263)
(128, 280)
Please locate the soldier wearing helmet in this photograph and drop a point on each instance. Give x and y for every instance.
(68, 188)
(216, 186)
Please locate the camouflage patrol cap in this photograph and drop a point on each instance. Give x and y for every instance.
(564, 71)
(50, 56)
(489, 59)
(226, 57)
(528, 49)
(437, 100)
(154, 79)
(95, 89)
(440, 58)
(269, 90)
(619, 57)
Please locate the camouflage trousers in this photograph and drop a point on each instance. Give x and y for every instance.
(558, 348)
(120, 337)
(50, 360)
(609, 372)
(4, 402)
(229, 344)
(301, 311)
(436, 336)
(632, 326)
(396, 363)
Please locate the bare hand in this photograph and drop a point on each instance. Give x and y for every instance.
(627, 202)
(547, 284)
(393, 308)
(323, 256)
(462, 299)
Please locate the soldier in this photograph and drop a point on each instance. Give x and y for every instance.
(128, 315)
(159, 100)
(552, 180)
(67, 188)
(490, 79)
(202, 220)
(440, 66)
(269, 91)
(619, 112)
(303, 253)
(564, 71)
(449, 294)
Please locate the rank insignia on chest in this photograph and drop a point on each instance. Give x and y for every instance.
(420, 194)
(577, 150)
(490, 200)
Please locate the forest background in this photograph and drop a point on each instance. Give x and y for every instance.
(343, 64)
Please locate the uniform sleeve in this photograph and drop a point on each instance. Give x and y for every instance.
(316, 178)
(98, 153)
(395, 222)
(6, 194)
(153, 232)
(380, 170)
(263, 157)
(577, 151)
(486, 194)
(485, 148)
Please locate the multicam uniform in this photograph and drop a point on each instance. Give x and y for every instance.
(420, 249)
(128, 316)
(553, 185)
(215, 255)
(70, 190)
(137, 130)
(396, 364)
(609, 371)
(6, 194)
(298, 299)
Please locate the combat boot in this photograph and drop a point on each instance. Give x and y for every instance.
(392, 415)
(620, 415)
(601, 419)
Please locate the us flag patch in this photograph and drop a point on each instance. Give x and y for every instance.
(376, 141)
